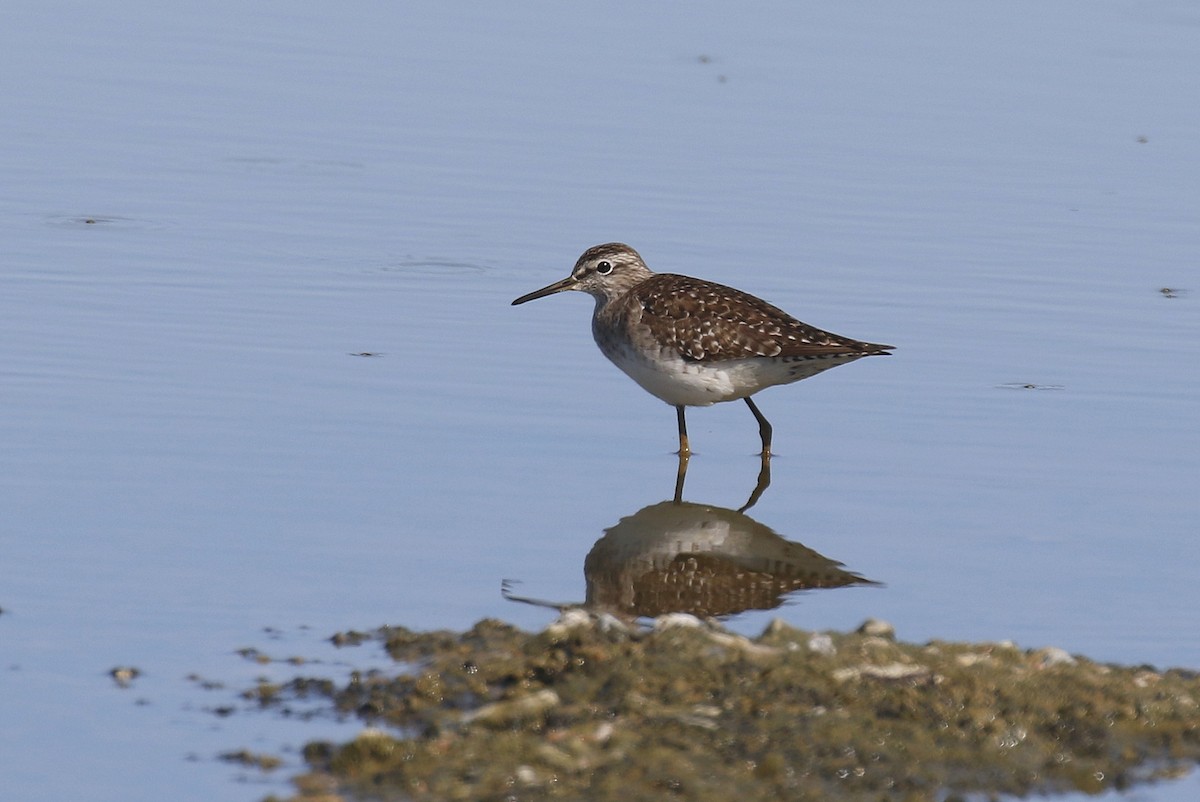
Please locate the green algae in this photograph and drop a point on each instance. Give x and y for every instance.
(593, 708)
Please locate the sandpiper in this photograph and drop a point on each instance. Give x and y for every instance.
(693, 343)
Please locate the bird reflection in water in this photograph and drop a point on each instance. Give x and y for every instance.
(764, 481)
(681, 557)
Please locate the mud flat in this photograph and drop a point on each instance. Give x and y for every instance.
(596, 708)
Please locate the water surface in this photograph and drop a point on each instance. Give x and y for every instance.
(210, 215)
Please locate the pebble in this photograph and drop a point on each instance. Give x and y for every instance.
(822, 644)
(877, 628)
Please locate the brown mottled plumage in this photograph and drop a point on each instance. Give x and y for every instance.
(691, 342)
(707, 322)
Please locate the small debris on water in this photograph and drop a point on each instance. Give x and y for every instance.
(252, 759)
(1030, 386)
(124, 675)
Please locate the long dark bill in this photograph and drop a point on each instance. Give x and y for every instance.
(558, 286)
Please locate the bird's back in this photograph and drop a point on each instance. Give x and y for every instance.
(709, 322)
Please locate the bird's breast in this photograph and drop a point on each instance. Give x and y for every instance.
(666, 374)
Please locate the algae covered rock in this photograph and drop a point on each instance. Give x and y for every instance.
(594, 708)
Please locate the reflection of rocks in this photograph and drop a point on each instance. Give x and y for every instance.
(707, 561)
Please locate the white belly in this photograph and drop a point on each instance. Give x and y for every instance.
(682, 382)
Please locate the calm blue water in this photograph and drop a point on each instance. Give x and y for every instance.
(193, 454)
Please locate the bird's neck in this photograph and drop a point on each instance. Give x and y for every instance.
(609, 295)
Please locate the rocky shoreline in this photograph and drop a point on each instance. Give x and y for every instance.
(596, 707)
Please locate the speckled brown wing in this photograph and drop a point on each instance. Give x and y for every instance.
(709, 322)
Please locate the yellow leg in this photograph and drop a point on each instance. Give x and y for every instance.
(684, 449)
(680, 476)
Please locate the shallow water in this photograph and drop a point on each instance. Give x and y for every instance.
(209, 216)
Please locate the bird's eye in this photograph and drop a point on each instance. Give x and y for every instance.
(604, 268)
